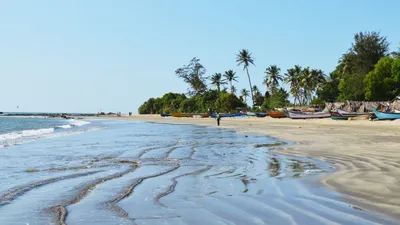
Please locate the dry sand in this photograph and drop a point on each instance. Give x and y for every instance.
(365, 153)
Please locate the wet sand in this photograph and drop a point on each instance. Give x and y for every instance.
(366, 154)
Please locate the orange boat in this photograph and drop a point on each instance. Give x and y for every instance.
(276, 114)
(205, 115)
(181, 114)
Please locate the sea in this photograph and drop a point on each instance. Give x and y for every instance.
(82, 171)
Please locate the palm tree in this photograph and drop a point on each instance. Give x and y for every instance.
(291, 79)
(255, 89)
(244, 57)
(217, 81)
(230, 76)
(273, 77)
(319, 79)
(233, 90)
(244, 93)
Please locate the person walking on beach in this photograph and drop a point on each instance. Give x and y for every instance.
(218, 118)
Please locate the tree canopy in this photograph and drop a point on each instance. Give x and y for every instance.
(194, 75)
(367, 71)
(382, 83)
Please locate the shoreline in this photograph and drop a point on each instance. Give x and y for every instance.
(364, 154)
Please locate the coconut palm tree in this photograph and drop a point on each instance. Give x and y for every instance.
(244, 57)
(255, 89)
(230, 76)
(291, 79)
(217, 81)
(244, 93)
(272, 77)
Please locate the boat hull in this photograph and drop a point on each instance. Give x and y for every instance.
(224, 115)
(386, 116)
(261, 115)
(276, 114)
(181, 115)
(300, 115)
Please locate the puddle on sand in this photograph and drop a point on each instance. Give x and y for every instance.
(147, 173)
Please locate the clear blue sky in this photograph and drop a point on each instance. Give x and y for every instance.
(83, 56)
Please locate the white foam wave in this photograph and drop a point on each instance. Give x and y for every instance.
(25, 134)
(67, 126)
(78, 123)
(14, 138)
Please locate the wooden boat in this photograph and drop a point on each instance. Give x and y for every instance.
(250, 114)
(204, 115)
(165, 114)
(261, 114)
(181, 114)
(276, 114)
(386, 116)
(344, 115)
(302, 115)
(214, 115)
(338, 116)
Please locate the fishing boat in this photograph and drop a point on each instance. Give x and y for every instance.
(261, 114)
(344, 115)
(250, 114)
(386, 116)
(338, 116)
(276, 114)
(165, 114)
(224, 115)
(204, 115)
(302, 115)
(181, 114)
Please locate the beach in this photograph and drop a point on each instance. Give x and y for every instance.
(365, 154)
(154, 170)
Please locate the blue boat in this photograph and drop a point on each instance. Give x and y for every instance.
(386, 116)
(214, 115)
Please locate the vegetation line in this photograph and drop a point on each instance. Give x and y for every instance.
(366, 72)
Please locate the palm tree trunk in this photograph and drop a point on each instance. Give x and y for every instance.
(251, 89)
(231, 86)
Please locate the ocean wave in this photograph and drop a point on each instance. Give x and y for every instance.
(25, 134)
(19, 137)
(66, 126)
(78, 123)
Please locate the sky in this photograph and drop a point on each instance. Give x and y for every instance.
(92, 55)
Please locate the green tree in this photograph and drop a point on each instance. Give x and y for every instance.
(278, 99)
(330, 90)
(244, 57)
(368, 48)
(291, 78)
(244, 93)
(230, 76)
(272, 77)
(229, 102)
(217, 81)
(258, 97)
(194, 75)
(380, 83)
